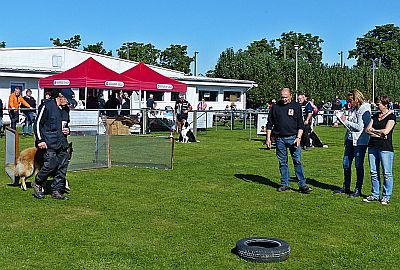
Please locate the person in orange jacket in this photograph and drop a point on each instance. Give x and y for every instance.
(14, 102)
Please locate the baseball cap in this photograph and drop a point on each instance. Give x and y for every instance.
(68, 94)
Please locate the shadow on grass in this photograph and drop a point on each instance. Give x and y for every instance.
(257, 179)
(318, 184)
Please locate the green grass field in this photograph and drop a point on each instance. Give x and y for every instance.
(220, 190)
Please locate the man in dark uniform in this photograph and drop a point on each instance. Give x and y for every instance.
(182, 108)
(51, 130)
(285, 121)
(307, 112)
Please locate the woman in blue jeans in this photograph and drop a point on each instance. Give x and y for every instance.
(380, 150)
(356, 141)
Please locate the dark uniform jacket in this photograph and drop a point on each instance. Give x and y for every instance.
(48, 125)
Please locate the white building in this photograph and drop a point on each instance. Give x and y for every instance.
(24, 67)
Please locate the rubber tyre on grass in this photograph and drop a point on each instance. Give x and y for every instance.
(263, 249)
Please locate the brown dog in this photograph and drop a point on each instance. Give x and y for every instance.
(30, 161)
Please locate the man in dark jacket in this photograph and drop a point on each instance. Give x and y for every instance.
(285, 121)
(51, 130)
(29, 113)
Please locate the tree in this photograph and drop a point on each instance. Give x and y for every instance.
(97, 48)
(139, 52)
(261, 47)
(175, 57)
(381, 43)
(311, 51)
(74, 42)
(2, 44)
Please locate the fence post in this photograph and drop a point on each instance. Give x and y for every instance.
(195, 123)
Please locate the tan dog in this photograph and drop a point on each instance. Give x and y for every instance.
(30, 161)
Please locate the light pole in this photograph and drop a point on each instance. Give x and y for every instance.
(195, 63)
(127, 51)
(297, 48)
(341, 58)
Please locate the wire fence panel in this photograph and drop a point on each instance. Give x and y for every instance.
(89, 151)
(11, 152)
(142, 151)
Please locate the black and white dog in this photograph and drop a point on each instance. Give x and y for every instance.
(185, 133)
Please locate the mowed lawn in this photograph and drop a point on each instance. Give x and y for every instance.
(220, 190)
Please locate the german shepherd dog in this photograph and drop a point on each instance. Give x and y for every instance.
(30, 161)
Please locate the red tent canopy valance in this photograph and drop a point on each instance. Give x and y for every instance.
(91, 74)
(153, 81)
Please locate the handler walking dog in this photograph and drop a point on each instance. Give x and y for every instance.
(51, 130)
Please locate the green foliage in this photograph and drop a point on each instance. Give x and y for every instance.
(381, 43)
(271, 70)
(97, 48)
(73, 42)
(220, 191)
(261, 47)
(139, 52)
(311, 51)
(175, 57)
(2, 44)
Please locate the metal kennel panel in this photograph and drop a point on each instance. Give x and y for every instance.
(142, 151)
(90, 151)
(11, 152)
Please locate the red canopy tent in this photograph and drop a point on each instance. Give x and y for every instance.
(153, 81)
(90, 74)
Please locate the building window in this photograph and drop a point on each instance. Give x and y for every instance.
(208, 95)
(157, 95)
(21, 86)
(57, 61)
(175, 96)
(232, 96)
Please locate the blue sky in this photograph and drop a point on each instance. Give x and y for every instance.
(205, 26)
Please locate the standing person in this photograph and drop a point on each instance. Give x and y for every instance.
(182, 108)
(202, 106)
(356, 141)
(14, 102)
(150, 103)
(380, 150)
(285, 121)
(307, 112)
(1, 118)
(29, 113)
(126, 105)
(47, 96)
(51, 130)
(111, 106)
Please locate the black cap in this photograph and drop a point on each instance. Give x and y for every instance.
(68, 94)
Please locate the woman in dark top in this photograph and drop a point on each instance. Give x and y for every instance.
(380, 150)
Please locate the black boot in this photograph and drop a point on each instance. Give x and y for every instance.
(59, 196)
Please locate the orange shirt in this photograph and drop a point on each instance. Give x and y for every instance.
(14, 102)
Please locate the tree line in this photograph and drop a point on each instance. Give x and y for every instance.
(271, 64)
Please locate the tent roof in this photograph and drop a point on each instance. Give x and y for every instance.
(152, 80)
(91, 74)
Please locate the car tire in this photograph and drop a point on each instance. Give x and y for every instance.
(263, 249)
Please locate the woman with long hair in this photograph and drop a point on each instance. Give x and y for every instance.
(356, 141)
(380, 150)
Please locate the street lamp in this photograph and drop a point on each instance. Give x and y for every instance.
(195, 62)
(341, 58)
(297, 48)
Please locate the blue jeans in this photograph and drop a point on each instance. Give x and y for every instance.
(351, 152)
(29, 120)
(282, 144)
(377, 157)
